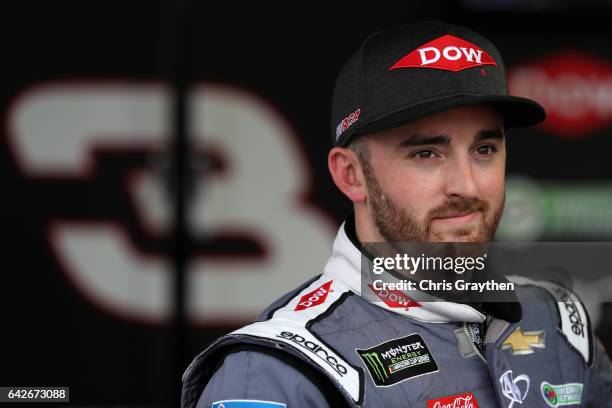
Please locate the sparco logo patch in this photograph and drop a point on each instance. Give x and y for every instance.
(347, 122)
(574, 322)
(397, 360)
(316, 349)
(447, 52)
(316, 297)
(395, 298)
(575, 89)
(466, 400)
(574, 317)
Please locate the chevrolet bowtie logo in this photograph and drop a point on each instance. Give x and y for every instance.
(522, 343)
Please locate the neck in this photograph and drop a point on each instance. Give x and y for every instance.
(365, 228)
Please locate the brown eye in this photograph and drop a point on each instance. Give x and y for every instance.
(424, 154)
(486, 150)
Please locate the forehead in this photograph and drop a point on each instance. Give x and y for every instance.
(460, 122)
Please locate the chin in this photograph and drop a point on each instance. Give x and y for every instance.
(469, 239)
(462, 235)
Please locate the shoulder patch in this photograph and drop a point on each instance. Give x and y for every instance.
(289, 327)
(574, 322)
(247, 404)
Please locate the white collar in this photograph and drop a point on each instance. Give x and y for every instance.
(344, 265)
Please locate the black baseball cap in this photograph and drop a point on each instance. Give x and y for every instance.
(408, 72)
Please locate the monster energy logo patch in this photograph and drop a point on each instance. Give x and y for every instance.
(375, 365)
(397, 360)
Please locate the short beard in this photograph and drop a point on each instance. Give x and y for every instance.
(396, 224)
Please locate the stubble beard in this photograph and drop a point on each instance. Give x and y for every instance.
(396, 224)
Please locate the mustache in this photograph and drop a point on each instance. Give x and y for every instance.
(458, 206)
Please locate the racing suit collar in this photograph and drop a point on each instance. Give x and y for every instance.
(344, 265)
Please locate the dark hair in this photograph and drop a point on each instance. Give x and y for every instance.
(359, 145)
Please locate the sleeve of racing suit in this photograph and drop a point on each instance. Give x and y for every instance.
(257, 376)
(598, 389)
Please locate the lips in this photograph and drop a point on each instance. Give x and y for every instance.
(455, 215)
(458, 217)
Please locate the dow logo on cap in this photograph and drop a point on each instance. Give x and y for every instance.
(447, 52)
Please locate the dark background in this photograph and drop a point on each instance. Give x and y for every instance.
(286, 58)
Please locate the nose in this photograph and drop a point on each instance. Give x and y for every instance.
(460, 181)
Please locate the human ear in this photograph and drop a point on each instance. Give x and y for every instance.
(347, 174)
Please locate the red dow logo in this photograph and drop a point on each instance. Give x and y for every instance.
(314, 298)
(574, 88)
(466, 400)
(447, 52)
(395, 298)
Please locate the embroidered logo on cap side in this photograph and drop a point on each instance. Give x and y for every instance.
(347, 122)
(448, 52)
(397, 360)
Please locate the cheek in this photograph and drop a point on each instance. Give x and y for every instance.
(492, 185)
(411, 191)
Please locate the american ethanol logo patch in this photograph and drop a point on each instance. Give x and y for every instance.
(561, 395)
(397, 360)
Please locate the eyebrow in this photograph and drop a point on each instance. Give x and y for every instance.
(445, 140)
(486, 134)
(422, 140)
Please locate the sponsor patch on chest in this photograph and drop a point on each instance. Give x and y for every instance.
(521, 342)
(397, 360)
(465, 400)
(561, 395)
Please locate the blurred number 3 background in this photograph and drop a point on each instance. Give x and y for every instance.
(164, 166)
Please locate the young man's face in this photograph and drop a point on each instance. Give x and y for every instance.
(440, 178)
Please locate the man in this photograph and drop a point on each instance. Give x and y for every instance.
(419, 119)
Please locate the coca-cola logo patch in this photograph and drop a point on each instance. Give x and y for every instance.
(575, 89)
(465, 400)
(448, 52)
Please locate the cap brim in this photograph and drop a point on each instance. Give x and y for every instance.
(517, 111)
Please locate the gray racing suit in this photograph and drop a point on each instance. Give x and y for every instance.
(325, 345)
